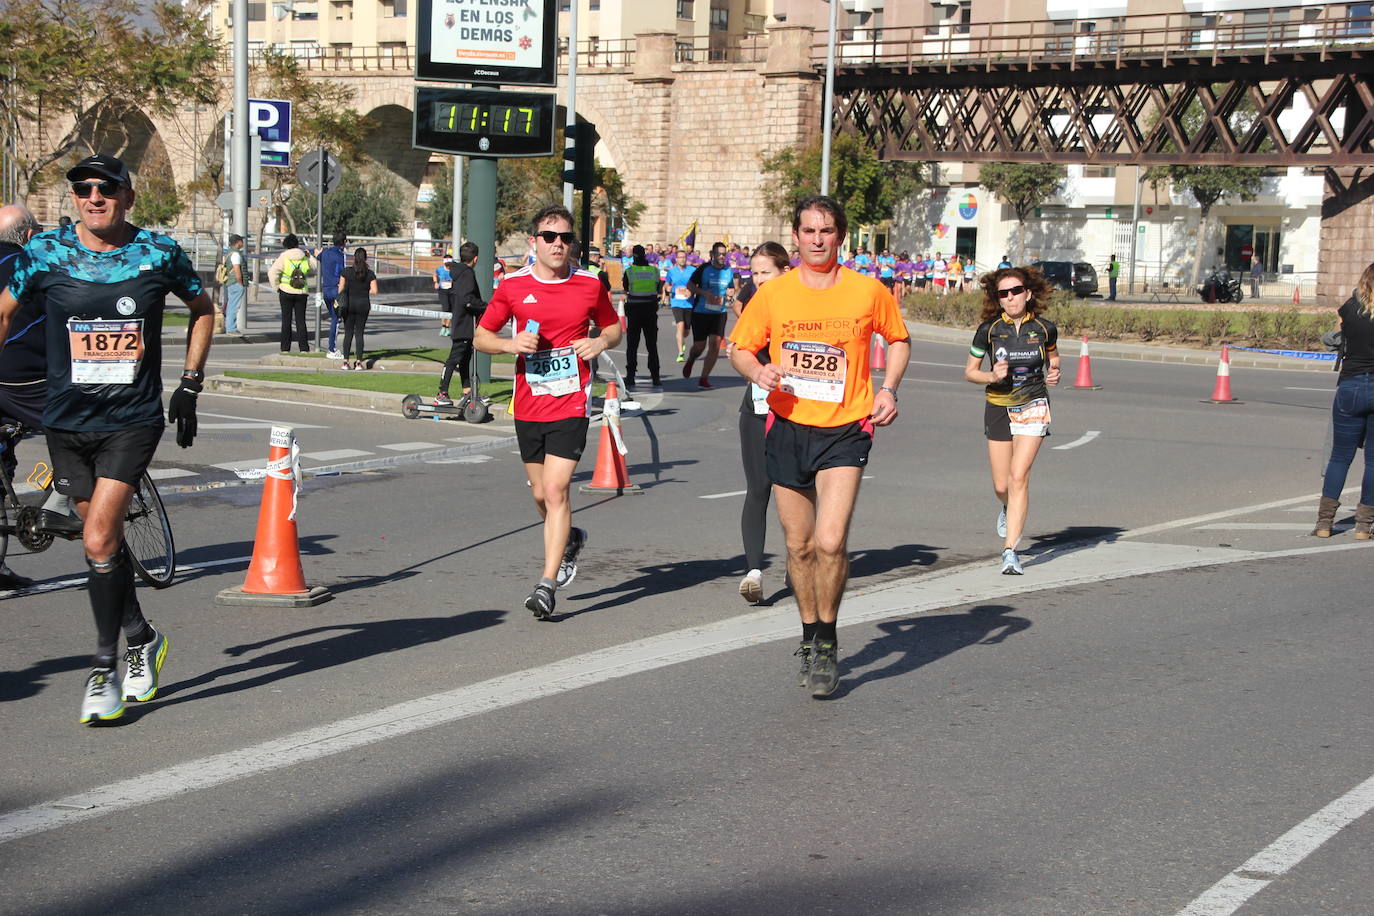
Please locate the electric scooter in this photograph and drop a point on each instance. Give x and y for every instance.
(471, 407)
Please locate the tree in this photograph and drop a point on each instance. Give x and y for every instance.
(87, 62)
(322, 118)
(867, 187)
(157, 202)
(1023, 187)
(367, 202)
(1208, 184)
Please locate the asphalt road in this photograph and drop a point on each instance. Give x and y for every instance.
(1179, 680)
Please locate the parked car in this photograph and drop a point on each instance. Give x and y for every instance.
(1080, 277)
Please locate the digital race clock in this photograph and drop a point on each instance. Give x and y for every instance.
(483, 122)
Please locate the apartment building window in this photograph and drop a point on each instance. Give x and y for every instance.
(1360, 14)
(686, 9)
(958, 18)
(341, 50)
(394, 9)
(965, 20)
(342, 9)
(564, 6)
(720, 15)
(257, 12)
(307, 12)
(1099, 171)
(683, 54)
(392, 49)
(593, 5)
(1264, 25)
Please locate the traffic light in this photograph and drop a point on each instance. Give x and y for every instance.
(580, 152)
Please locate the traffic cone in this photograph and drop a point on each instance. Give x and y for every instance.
(1297, 294)
(878, 354)
(275, 577)
(1084, 381)
(1221, 392)
(610, 473)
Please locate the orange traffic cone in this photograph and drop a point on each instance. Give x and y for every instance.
(1085, 369)
(1297, 294)
(878, 354)
(1221, 392)
(275, 577)
(610, 473)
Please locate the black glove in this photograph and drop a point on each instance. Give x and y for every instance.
(182, 409)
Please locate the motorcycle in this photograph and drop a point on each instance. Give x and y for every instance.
(1220, 286)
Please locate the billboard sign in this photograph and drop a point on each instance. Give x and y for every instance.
(495, 42)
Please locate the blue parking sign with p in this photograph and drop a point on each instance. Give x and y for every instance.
(271, 120)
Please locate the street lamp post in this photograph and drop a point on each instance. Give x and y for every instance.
(829, 103)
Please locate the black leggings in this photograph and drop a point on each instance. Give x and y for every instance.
(355, 319)
(753, 518)
(460, 358)
(116, 607)
(641, 319)
(293, 306)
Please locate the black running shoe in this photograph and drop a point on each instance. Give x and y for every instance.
(540, 602)
(825, 669)
(567, 569)
(804, 653)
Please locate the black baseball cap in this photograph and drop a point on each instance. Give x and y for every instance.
(100, 164)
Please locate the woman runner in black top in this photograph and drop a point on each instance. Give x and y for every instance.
(769, 260)
(357, 286)
(1021, 348)
(1352, 412)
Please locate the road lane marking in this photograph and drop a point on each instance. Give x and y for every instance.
(241, 465)
(377, 412)
(1226, 513)
(410, 446)
(1279, 857)
(1084, 439)
(170, 473)
(336, 454)
(248, 422)
(57, 584)
(1254, 526)
(723, 495)
(969, 583)
(1297, 388)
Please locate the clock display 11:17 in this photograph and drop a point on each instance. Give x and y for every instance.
(491, 120)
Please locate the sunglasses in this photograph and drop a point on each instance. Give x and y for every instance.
(548, 235)
(1010, 291)
(108, 188)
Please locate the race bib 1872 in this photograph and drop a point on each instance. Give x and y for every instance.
(815, 371)
(552, 372)
(105, 351)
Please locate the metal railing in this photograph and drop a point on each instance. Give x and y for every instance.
(1157, 36)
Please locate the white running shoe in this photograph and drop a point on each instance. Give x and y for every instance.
(102, 700)
(1011, 563)
(1002, 523)
(144, 665)
(751, 586)
(334, 354)
(567, 569)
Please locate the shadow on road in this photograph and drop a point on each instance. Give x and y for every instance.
(1070, 540)
(909, 644)
(344, 643)
(20, 685)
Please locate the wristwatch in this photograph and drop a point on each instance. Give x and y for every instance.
(194, 375)
(891, 391)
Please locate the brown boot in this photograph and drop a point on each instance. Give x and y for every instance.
(1326, 517)
(1364, 520)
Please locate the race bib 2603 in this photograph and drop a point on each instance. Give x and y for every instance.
(552, 372)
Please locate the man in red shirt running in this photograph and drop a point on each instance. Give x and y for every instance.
(553, 305)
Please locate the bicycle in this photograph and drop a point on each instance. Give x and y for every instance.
(147, 531)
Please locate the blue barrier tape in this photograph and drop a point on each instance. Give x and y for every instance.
(1324, 357)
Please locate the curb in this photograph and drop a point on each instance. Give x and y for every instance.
(1142, 352)
(379, 401)
(421, 367)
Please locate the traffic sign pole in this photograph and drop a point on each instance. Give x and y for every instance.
(481, 219)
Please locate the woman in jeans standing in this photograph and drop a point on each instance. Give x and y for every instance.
(357, 286)
(1352, 413)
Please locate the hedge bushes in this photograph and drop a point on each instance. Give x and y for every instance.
(1285, 330)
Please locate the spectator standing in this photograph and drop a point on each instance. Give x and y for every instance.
(1113, 272)
(290, 276)
(235, 287)
(331, 261)
(357, 286)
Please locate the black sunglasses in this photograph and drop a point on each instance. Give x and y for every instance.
(548, 235)
(108, 187)
(1010, 291)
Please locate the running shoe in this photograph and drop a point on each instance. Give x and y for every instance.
(804, 653)
(443, 400)
(333, 354)
(1002, 523)
(567, 570)
(751, 586)
(540, 602)
(687, 367)
(101, 700)
(144, 664)
(1011, 563)
(705, 384)
(825, 669)
(681, 354)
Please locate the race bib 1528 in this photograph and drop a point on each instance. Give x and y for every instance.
(815, 371)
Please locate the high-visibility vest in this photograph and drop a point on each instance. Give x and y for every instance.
(643, 280)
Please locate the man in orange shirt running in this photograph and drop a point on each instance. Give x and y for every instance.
(818, 322)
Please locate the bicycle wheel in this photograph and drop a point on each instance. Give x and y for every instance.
(148, 535)
(4, 530)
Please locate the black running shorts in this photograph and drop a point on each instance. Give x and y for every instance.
(79, 458)
(682, 316)
(996, 424)
(707, 324)
(796, 452)
(560, 438)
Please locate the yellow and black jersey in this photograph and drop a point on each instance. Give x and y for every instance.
(1026, 350)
